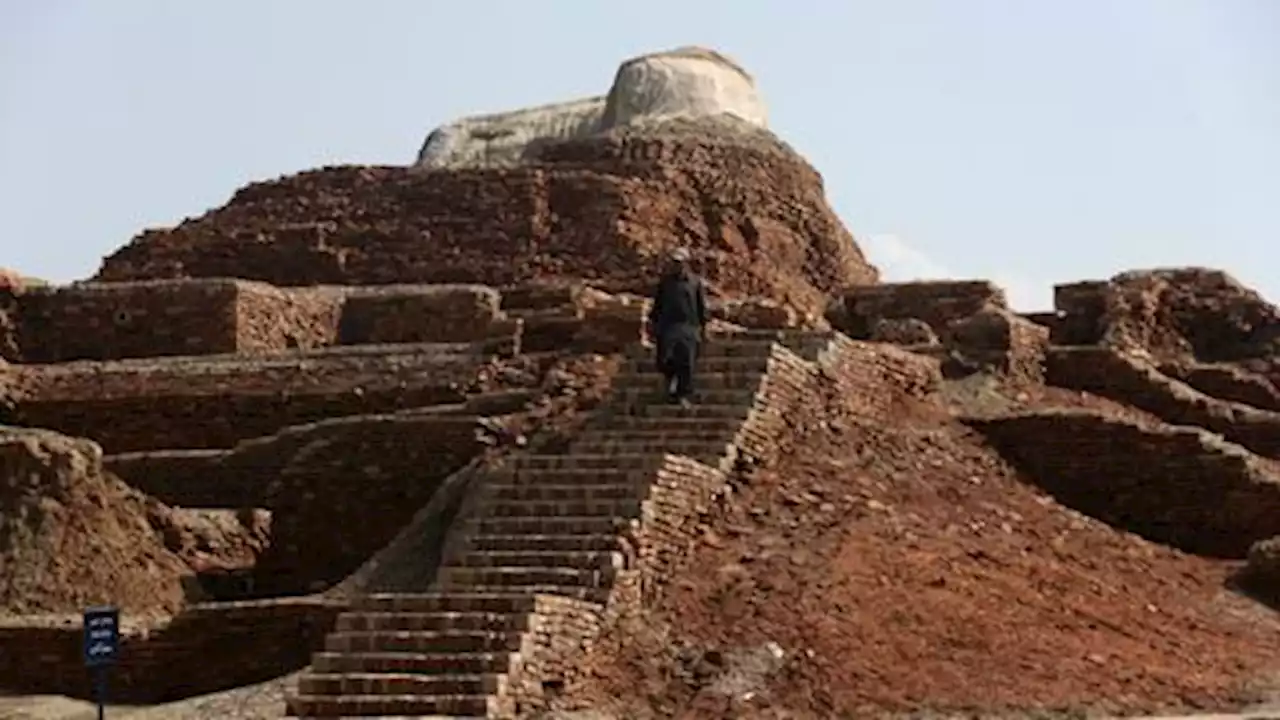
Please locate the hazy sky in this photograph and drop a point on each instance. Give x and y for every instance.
(1027, 141)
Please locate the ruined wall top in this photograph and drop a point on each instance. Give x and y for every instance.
(684, 83)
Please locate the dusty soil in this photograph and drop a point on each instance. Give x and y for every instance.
(215, 539)
(72, 535)
(894, 568)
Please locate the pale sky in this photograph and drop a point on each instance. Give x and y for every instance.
(1026, 141)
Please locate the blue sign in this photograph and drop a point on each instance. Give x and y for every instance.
(101, 636)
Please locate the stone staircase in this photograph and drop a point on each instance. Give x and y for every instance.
(553, 546)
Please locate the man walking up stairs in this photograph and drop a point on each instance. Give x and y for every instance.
(538, 564)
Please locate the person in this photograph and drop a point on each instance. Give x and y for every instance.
(677, 322)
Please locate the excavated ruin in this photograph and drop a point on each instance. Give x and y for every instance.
(399, 425)
(72, 535)
(697, 170)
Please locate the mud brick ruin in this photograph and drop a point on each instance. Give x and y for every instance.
(392, 433)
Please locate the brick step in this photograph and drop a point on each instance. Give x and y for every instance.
(544, 526)
(594, 435)
(705, 364)
(693, 448)
(716, 347)
(343, 706)
(579, 492)
(418, 663)
(399, 684)
(544, 313)
(577, 592)
(520, 577)
(568, 476)
(656, 396)
(739, 412)
(491, 508)
(582, 461)
(503, 603)
(615, 422)
(357, 621)
(424, 641)
(706, 380)
(534, 558)
(542, 543)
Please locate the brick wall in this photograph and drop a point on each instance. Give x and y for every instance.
(1135, 382)
(763, 313)
(9, 320)
(270, 319)
(561, 632)
(185, 478)
(881, 376)
(349, 491)
(1082, 306)
(107, 321)
(215, 402)
(205, 649)
(408, 563)
(10, 391)
(422, 313)
(1174, 485)
(1228, 382)
(998, 340)
(937, 303)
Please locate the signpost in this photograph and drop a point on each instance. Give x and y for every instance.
(101, 648)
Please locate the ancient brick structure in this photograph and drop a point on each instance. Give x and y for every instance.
(186, 478)
(1135, 382)
(998, 340)
(350, 489)
(1227, 382)
(109, 321)
(1080, 308)
(937, 303)
(216, 402)
(552, 547)
(1176, 485)
(1177, 315)
(603, 209)
(205, 649)
(9, 326)
(423, 313)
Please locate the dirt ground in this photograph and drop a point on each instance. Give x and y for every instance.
(883, 569)
(253, 702)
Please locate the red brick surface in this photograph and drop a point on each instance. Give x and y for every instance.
(155, 318)
(755, 217)
(215, 402)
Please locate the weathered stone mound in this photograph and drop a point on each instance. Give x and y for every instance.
(72, 535)
(1178, 486)
(1176, 315)
(604, 209)
(685, 83)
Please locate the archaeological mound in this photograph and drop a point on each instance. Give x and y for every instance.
(390, 433)
(676, 153)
